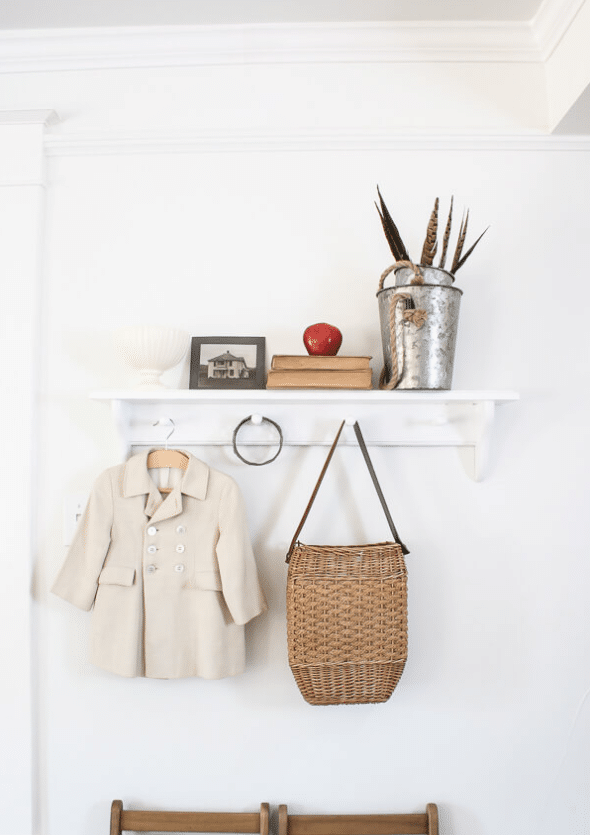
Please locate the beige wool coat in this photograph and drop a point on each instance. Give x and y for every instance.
(172, 580)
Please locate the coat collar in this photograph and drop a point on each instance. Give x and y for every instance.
(137, 482)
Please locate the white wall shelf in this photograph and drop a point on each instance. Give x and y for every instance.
(202, 417)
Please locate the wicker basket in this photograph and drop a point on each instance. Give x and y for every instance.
(347, 623)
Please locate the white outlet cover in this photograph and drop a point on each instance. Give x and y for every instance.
(73, 510)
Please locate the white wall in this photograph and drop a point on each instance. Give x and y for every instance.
(490, 719)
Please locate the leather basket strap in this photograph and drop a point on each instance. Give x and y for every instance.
(373, 474)
(369, 463)
(315, 492)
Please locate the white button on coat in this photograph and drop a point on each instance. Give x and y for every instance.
(180, 549)
(181, 529)
(179, 567)
(152, 549)
(150, 569)
(152, 531)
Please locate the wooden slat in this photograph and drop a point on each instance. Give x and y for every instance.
(149, 821)
(416, 824)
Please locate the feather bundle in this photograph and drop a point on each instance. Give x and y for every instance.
(429, 249)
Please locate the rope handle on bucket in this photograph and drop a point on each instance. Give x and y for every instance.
(362, 445)
(418, 277)
(410, 314)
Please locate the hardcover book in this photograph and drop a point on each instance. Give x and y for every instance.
(319, 379)
(294, 362)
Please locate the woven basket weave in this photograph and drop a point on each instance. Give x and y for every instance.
(347, 622)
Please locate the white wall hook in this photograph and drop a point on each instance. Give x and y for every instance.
(256, 419)
(350, 421)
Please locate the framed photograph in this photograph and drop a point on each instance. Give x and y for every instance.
(227, 362)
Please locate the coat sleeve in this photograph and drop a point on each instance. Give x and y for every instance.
(237, 566)
(77, 581)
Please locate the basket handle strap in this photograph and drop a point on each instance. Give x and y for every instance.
(364, 450)
(361, 442)
(315, 492)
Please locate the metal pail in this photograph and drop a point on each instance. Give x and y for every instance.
(431, 275)
(419, 332)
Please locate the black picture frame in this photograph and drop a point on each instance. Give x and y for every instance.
(243, 368)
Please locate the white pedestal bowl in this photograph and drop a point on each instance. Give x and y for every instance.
(151, 350)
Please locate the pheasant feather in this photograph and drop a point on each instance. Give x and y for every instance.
(460, 242)
(447, 235)
(430, 244)
(392, 234)
(469, 251)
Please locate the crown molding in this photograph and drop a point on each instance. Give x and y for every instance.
(133, 47)
(101, 143)
(551, 23)
(44, 50)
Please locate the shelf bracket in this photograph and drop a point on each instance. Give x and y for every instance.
(481, 451)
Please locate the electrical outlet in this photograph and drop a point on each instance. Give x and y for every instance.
(72, 513)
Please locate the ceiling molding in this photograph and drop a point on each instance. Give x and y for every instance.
(44, 50)
(100, 144)
(552, 22)
(131, 47)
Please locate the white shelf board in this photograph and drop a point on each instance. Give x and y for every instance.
(374, 396)
(308, 417)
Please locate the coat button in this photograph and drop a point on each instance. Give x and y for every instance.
(179, 567)
(152, 531)
(150, 569)
(152, 549)
(179, 549)
(181, 529)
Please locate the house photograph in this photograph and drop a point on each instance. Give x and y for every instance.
(227, 366)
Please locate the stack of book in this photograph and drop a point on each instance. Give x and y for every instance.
(314, 372)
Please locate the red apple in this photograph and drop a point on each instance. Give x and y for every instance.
(322, 340)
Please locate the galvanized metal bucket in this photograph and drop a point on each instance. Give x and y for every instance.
(419, 328)
(403, 276)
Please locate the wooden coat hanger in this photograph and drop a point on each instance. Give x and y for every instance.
(167, 458)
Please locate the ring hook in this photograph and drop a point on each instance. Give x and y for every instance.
(253, 419)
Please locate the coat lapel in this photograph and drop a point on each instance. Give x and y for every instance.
(137, 481)
(171, 506)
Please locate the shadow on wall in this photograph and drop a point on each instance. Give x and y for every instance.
(568, 798)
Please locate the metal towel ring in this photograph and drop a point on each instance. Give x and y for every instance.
(259, 420)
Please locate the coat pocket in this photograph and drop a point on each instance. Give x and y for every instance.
(117, 575)
(207, 580)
